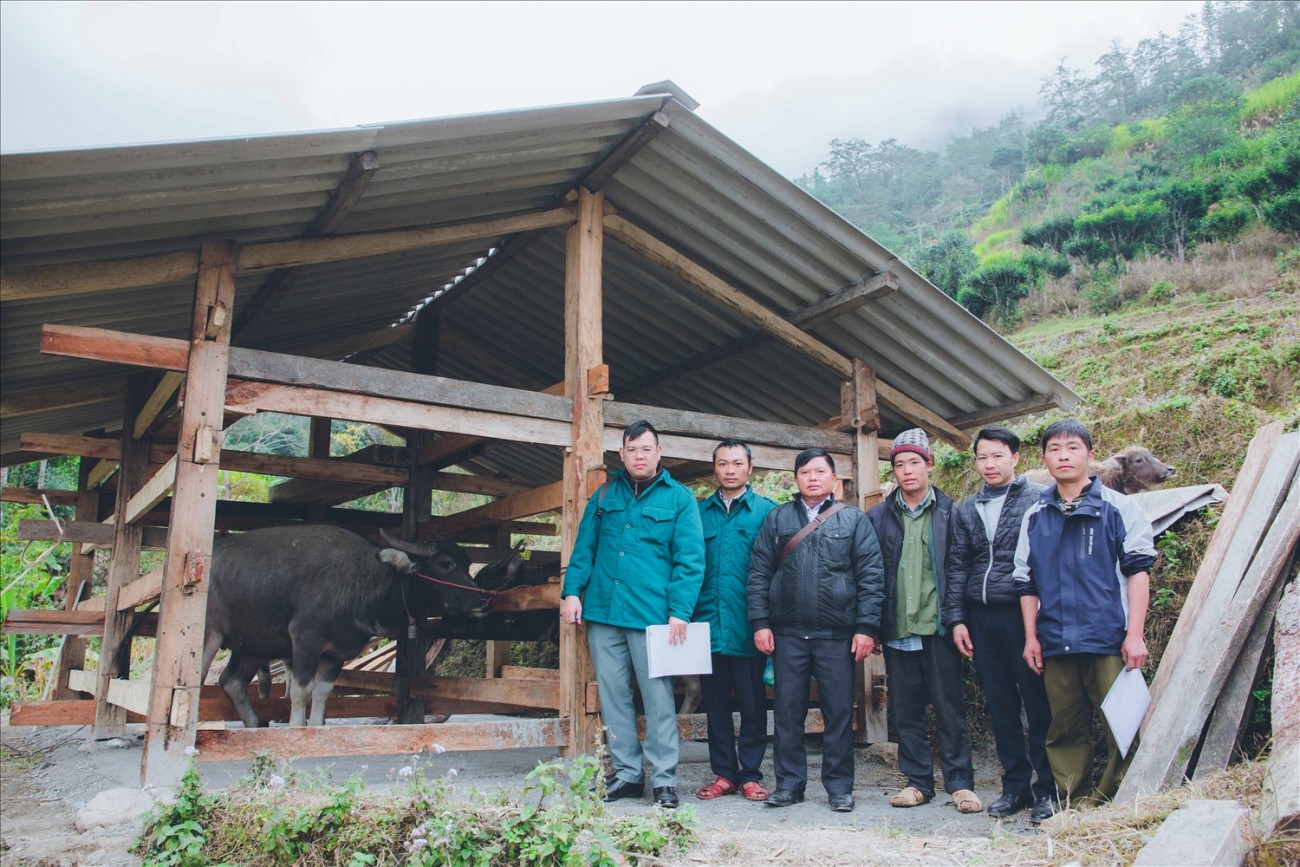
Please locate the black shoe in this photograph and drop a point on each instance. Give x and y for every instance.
(784, 798)
(1044, 809)
(666, 797)
(1008, 805)
(618, 788)
(842, 802)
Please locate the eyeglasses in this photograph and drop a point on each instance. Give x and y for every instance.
(647, 451)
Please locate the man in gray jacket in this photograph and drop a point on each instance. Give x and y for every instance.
(982, 611)
(815, 586)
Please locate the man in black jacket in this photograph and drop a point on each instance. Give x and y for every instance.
(814, 606)
(982, 611)
(922, 664)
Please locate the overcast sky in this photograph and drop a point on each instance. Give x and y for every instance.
(782, 79)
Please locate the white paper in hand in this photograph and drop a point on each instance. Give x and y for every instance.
(1124, 707)
(694, 656)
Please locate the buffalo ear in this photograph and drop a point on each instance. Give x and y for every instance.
(397, 559)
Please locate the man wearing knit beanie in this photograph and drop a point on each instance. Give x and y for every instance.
(923, 665)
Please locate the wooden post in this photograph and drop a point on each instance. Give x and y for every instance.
(498, 652)
(583, 350)
(124, 567)
(417, 505)
(859, 410)
(174, 701)
(72, 649)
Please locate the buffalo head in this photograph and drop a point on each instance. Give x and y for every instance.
(439, 575)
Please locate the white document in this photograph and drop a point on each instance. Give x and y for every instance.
(1124, 707)
(694, 656)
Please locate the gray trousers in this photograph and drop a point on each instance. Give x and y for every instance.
(617, 654)
(931, 675)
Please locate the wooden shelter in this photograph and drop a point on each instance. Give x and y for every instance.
(508, 291)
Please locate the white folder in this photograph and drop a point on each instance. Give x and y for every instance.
(1125, 705)
(694, 656)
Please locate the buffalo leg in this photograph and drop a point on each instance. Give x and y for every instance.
(326, 673)
(299, 696)
(234, 680)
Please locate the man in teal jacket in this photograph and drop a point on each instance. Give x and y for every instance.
(732, 517)
(638, 561)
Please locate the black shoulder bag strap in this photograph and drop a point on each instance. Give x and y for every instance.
(817, 521)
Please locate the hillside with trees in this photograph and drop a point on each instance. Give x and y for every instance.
(1183, 140)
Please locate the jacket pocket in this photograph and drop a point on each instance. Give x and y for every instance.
(657, 525)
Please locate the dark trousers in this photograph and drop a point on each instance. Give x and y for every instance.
(931, 675)
(830, 660)
(743, 677)
(998, 633)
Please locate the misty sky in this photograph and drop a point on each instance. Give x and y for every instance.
(782, 79)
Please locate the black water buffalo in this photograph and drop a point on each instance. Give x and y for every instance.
(313, 596)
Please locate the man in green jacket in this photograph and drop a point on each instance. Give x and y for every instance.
(638, 561)
(732, 517)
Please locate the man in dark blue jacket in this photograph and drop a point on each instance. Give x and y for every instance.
(922, 664)
(1082, 571)
(982, 611)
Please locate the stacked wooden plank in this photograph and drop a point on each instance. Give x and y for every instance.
(1204, 677)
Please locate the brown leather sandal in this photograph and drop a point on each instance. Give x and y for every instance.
(967, 801)
(909, 796)
(754, 791)
(716, 789)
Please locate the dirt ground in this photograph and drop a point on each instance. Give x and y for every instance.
(49, 773)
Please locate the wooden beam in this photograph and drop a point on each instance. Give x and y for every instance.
(680, 265)
(46, 281)
(101, 344)
(96, 533)
(167, 387)
(152, 492)
(250, 397)
(124, 566)
(619, 415)
(362, 469)
(1175, 723)
(922, 417)
(174, 700)
(142, 591)
(1225, 538)
(351, 344)
(271, 367)
(544, 499)
(52, 621)
(64, 397)
(130, 694)
(624, 151)
(849, 298)
(37, 496)
(585, 461)
(1007, 411)
(72, 649)
(360, 170)
(271, 255)
(217, 745)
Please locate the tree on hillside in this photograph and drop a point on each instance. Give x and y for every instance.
(1065, 93)
(1205, 117)
(947, 262)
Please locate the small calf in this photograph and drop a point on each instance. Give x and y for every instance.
(1131, 470)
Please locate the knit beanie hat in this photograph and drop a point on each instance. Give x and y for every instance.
(913, 440)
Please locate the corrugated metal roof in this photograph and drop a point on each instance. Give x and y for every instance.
(690, 186)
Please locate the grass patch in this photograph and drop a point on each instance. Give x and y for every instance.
(272, 819)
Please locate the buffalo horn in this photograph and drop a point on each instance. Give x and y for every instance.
(415, 549)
